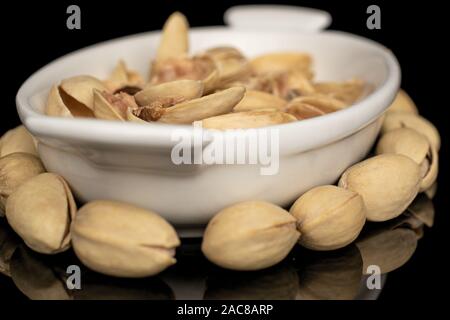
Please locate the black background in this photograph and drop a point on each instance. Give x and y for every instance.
(35, 33)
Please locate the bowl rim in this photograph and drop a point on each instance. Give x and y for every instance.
(133, 134)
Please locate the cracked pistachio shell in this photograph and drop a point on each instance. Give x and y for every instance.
(403, 103)
(230, 62)
(15, 169)
(329, 217)
(109, 106)
(17, 140)
(122, 240)
(74, 97)
(40, 212)
(256, 100)
(388, 248)
(281, 62)
(347, 91)
(247, 119)
(394, 120)
(313, 106)
(122, 79)
(388, 183)
(170, 93)
(250, 235)
(174, 39)
(414, 145)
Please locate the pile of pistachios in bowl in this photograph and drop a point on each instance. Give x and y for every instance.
(219, 88)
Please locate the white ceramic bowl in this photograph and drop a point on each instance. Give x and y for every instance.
(131, 162)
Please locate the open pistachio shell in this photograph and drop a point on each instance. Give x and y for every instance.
(40, 212)
(296, 84)
(81, 89)
(56, 106)
(281, 62)
(112, 107)
(170, 93)
(313, 106)
(394, 120)
(403, 103)
(247, 119)
(230, 62)
(17, 140)
(174, 41)
(123, 79)
(204, 107)
(348, 91)
(255, 100)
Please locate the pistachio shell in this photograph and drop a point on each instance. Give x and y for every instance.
(204, 107)
(431, 191)
(387, 248)
(17, 140)
(40, 212)
(281, 62)
(329, 217)
(174, 39)
(313, 106)
(255, 100)
(57, 108)
(250, 235)
(81, 89)
(403, 103)
(348, 92)
(297, 84)
(430, 168)
(388, 183)
(15, 169)
(230, 63)
(122, 78)
(394, 120)
(122, 240)
(112, 107)
(169, 93)
(247, 119)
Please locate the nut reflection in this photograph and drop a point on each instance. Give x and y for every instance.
(422, 208)
(276, 283)
(8, 244)
(330, 275)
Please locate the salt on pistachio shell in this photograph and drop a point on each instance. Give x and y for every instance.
(389, 248)
(422, 208)
(174, 39)
(414, 145)
(403, 103)
(123, 79)
(331, 276)
(110, 106)
(255, 100)
(329, 217)
(281, 62)
(15, 169)
(208, 106)
(247, 119)
(40, 212)
(17, 140)
(230, 62)
(74, 97)
(170, 93)
(388, 183)
(250, 235)
(122, 240)
(394, 120)
(36, 278)
(313, 106)
(348, 91)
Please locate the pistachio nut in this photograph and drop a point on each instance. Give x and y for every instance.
(170, 93)
(313, 106)
(40, 212)
(414, 145)
(394, 120)
(247, 119)
(348, 91)
(329, 217)
(403, 103)
(17, 140)
(15, 169)
(124, 80)
(122, 240)
(174, 39)
(282, 62)
(388, 248)
(334, 275)
(388, 183)
(110, 106)
(255, 100)
(74, 97)
(250, 235)
(422, 208)
(189, 111)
